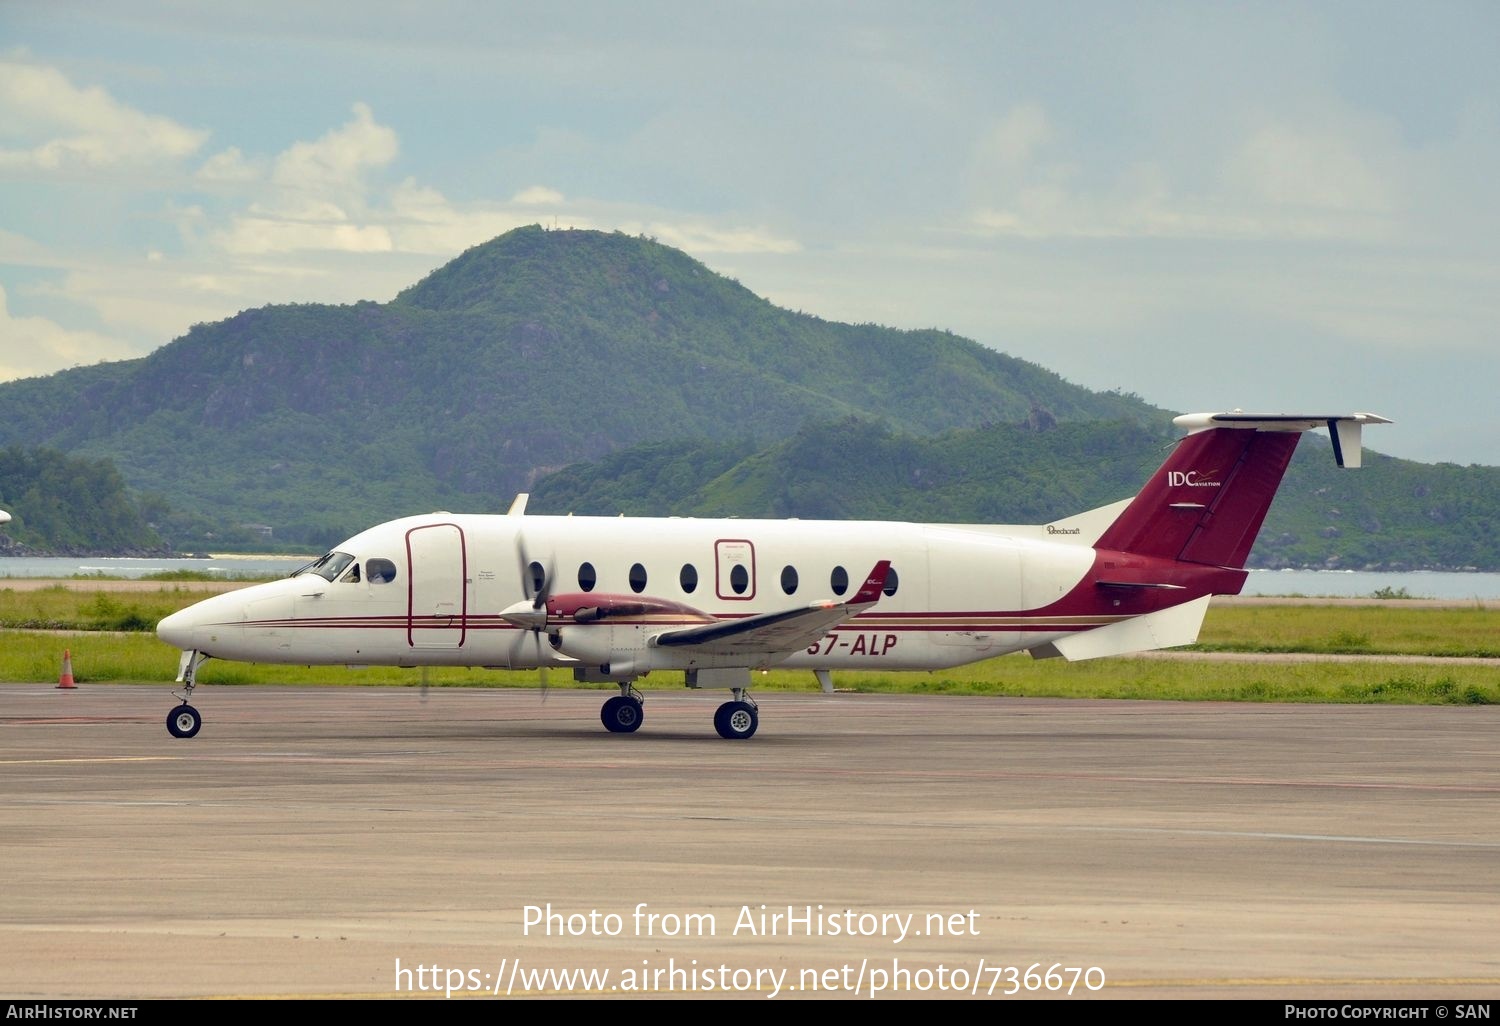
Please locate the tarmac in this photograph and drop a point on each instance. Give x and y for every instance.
(467, 844)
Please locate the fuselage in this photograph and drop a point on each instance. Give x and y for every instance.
(430, 590)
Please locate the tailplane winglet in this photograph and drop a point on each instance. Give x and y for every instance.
(1343, 428)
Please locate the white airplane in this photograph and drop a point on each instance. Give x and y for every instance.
(616, 598)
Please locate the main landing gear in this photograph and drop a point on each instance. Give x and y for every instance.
(624, 713)
(184, 720)
(737, 720)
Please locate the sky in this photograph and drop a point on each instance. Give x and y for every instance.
(1273, 207)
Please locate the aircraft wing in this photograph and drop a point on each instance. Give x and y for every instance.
(780, 631)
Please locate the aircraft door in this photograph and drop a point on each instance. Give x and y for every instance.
(735, 572)
(437, 587)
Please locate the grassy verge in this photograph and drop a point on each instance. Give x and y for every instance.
(1353, 630)
(108, 636)
(98, 658)
(59, 607)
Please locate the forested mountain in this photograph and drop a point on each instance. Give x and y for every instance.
(523, 355)
(62, 504)
(1389, 514)
(606, 372)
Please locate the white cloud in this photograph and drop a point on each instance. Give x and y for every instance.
(71, 128)
(1329, 177)
(537, 194)
(314, 186)
(252, 235)
(229, 167)
(35, 346)
(423, 220)
(1010, 143)
(701, 237)
(339, 159)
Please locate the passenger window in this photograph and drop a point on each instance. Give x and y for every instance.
(637, 578)
(739, 578)
(586, 577)
(688, 578)
(892, 582)
(789, 579)
(839, 581)
(380, 571)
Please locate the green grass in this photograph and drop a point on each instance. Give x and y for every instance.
(101, 658)
(1353, 630)
(109, 638)
(59, 607)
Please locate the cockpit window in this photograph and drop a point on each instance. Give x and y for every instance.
(329, 567)
(380, 571)
(352, 577)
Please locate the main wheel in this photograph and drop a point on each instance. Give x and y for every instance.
(736, 720)
(622, 715)
(183, 721)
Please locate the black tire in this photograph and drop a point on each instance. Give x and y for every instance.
(622, 715)
(736, 721)
(183, 721)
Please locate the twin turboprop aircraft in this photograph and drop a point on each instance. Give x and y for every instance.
(617, 598)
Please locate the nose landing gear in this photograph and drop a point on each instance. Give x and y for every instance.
(184, 721)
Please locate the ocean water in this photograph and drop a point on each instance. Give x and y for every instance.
(228, 567)
(1311, 583)
(1363, 584)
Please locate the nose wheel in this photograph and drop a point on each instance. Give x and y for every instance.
(183, 721)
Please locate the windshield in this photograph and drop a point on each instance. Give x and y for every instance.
(329, 567)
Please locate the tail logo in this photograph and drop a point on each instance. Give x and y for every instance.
(1189, 479)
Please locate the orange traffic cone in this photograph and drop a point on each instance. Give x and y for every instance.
(66, 680)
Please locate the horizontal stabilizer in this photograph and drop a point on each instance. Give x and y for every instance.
(1165, 628)
(1343, 428)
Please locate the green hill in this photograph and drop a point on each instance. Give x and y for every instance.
(607, 373)
(67, 505)
(522, 356)
(1390, 514)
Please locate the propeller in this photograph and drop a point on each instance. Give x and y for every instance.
(531, 614)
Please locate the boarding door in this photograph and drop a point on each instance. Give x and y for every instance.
(436, 587)
(735, 578)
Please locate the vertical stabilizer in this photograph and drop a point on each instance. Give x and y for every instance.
(1207, 502)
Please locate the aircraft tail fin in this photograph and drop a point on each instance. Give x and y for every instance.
(1207, 502)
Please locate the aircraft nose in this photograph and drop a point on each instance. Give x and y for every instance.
(177, 630)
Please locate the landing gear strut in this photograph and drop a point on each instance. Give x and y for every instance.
(184, 720)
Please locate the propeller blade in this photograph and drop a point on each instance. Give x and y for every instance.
(531, 613)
